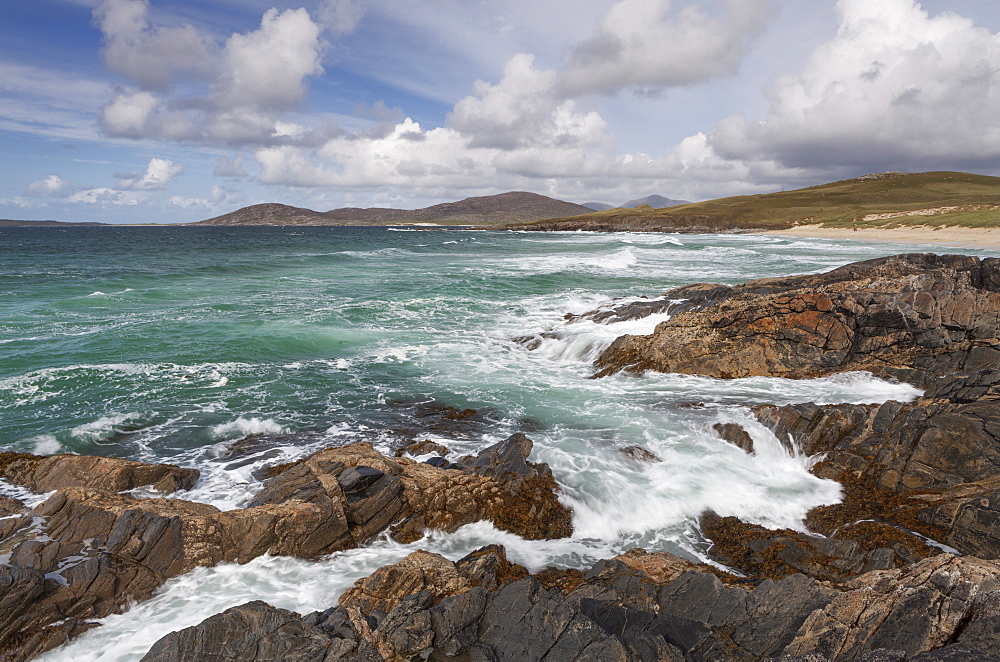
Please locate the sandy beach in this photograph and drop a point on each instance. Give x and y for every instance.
(953, 237)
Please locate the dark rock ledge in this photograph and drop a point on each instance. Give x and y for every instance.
(639, 606)
(88, 550)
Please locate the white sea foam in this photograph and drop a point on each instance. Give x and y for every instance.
(107, 427)
(45, 444)
(615, 261)
(244, 427)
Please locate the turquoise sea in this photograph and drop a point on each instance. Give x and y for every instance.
(227, 349)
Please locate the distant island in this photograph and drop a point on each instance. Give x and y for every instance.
(513, 207)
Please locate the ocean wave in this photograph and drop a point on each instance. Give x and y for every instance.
(244, 427)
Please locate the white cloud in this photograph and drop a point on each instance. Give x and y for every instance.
(150, 56)
(157, 177)
(50, 186)
(895, 89)
(250, 79)
(647, 46)
(230, 167)
(267, 68)
(523, 110)
(340, 16)
(106, 197)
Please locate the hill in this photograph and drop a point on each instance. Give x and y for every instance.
(882, 200)
(9, 223)
(598, 206)
(514, 207)
(654, 201)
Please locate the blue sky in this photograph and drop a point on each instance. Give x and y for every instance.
(173, 110)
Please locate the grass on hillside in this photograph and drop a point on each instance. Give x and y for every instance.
(844, 203)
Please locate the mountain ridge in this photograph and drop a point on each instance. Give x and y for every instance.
(511, 207)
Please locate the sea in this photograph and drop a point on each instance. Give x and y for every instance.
(229, 349)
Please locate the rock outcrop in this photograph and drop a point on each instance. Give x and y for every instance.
(907, 316)
(932, 465)
(88, 550)
(637, 607)
(46, 473)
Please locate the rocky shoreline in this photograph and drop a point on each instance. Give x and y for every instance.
(904, 568)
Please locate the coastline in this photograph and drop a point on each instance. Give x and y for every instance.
(951, 236)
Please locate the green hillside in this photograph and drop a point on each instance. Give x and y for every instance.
(930, 198)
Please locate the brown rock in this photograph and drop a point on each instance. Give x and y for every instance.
(910, 316)
(850, 551)
(932, 466)
(387, 587)
(916, 609)
(44, 474)
(735, 435)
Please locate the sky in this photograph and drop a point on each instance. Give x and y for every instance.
(136, 111)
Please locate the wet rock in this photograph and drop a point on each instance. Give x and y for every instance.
(422, 448)
(254, 631)
(735, 435)
(11, 506)
(932, 465)
(640, 454)
(426, 607)
(387, 587)
(892, 610)
(850, 551)
(44, 474)
(498, 485)
(906, 316)
(411, 421)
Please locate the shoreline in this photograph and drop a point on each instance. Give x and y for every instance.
(951, 236)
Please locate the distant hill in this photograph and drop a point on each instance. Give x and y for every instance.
(885, 199)
(654, 201)
(7, 223)
(514, 207)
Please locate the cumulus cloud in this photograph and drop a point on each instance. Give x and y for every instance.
(150, 56)
(267, 68)
(106, 197)
(50, 186)
(220, 197)
(248, 81)
(523, 110)
(157, 176)
(896, 88)
(648, 46)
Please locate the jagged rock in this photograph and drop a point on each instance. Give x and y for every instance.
(11, 506)
(498, 485)
(387, 587)
(735, 435)
(906, 316)
(101, 549)
(254, 631)
(422, 448)
(850, 551)
(932, 465)
(637, 607)
(917, 609)
(640, 454)
(44, 474)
